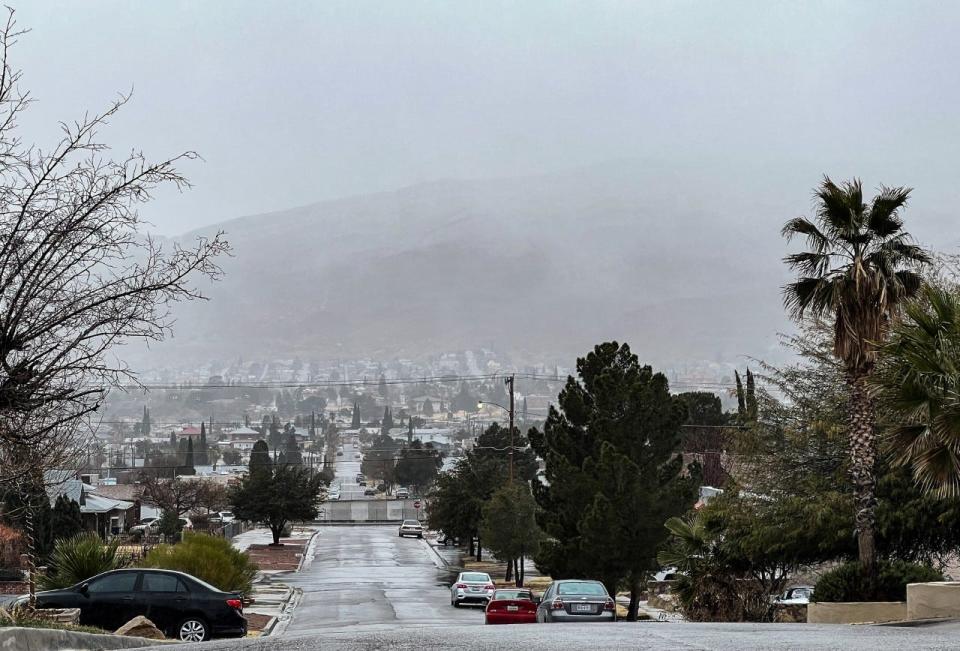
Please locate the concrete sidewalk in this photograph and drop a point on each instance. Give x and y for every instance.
(272, 598)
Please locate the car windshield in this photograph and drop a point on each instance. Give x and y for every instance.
(475, 577)
(583, 588)
(512, 594)
(226, 514)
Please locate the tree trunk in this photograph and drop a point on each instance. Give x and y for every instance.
(479, 550)
(523, 570)
(509, 574)
(470, 549)
(276, 531)
(863, 455)
(636, 588)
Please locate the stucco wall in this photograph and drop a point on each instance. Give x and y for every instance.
(856, 612)
(933, 600)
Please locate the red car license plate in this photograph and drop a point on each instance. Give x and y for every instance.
(512, 609)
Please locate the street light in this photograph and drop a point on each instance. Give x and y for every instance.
(509, 382)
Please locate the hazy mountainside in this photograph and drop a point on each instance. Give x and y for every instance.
(542, 266)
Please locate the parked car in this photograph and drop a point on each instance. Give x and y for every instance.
(511, 606)
(411, 528)
(476, 587)
(370, 491)
(182, 606)
(361, 477)
(185, 523)
(576, 600)
(402, 493)
(339, 453)
(333, 497)
(362, 482)
(796, 595)
(222, 517)
(446, 539)
(146, 525)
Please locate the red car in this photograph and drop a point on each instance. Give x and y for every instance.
(511, 606)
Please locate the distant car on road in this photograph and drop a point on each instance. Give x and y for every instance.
(511, 606)
(362, 482)
(411, 528)
(402, 493)
(222, 517)
(182, 606)
(333, 497)
(576, 600)
(797, 595)
(475, 587)
(356, 455)
(339, 453)
(370, 491)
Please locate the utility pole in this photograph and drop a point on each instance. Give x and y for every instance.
(509, 382)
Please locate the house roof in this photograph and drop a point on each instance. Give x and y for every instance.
(100, 504)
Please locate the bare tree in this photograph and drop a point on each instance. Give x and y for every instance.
(78, 275)
(178, 495)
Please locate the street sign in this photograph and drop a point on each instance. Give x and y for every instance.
(416, 504)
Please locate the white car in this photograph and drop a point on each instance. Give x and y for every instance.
(471, 587)
(333, 497)
(411, 528)
(797, 595)
(146, 525)
(402, 493)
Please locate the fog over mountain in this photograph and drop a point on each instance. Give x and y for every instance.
(541, 267)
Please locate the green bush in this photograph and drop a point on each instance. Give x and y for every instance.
(848, 582)
(208, 558)
(78, 558)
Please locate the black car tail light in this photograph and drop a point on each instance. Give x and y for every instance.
(235, 603)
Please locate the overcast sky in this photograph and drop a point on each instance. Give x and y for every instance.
(294, 102)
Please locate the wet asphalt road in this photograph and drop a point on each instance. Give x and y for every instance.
(368, 578)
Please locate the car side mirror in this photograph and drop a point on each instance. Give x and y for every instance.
(84, 588)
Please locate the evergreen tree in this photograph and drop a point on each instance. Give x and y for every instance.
(741, 399)
(382, 387)
(509, 528)
(182, 451)
(751, 398)
(613, 471)
(65, 519)
(260, 461)
(202, 455)
(145, 423)
(355, 423)
(173, 440)
(189, 462)
(427, 408)
(410, 432)
(387, 423)
(290, 455)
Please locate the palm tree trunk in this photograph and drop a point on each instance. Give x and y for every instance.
(863, 456)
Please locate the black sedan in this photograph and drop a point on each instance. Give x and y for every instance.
(182, 606)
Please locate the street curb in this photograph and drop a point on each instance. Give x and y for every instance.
(445, 562)
(308, 550)
(279, 624)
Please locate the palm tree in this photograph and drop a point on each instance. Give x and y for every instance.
(920, 384)
(859, 271)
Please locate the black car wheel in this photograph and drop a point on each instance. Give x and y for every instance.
(192, 629)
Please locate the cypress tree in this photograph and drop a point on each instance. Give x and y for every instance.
(145, 424)
(751, 399)
(356, 416)
(202, 457)
(741, 400)
(189, 461)
(260, 463)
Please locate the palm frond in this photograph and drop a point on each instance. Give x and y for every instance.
(884, 219)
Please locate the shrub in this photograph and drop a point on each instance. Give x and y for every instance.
(848, 582)
(80, 557)
(208, 558)
(169, 524)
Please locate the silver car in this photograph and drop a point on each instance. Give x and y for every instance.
(471, 587)
(576, 600)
